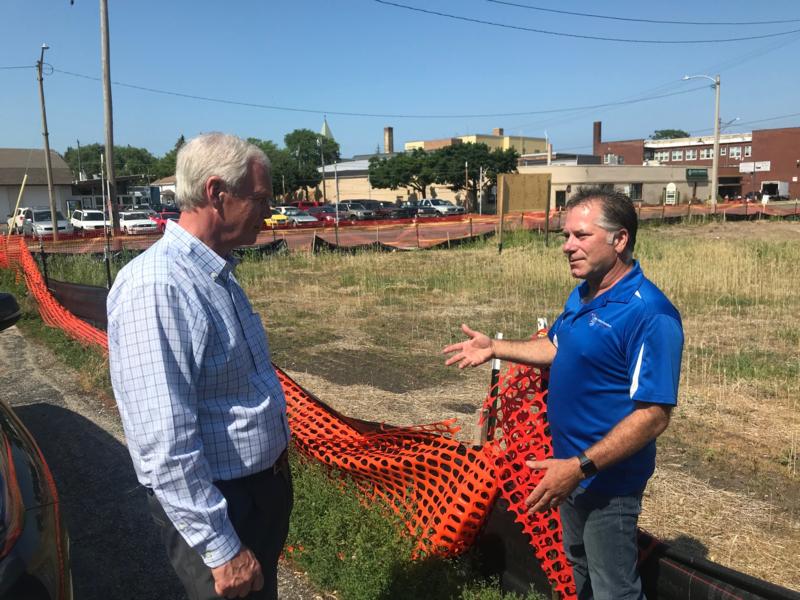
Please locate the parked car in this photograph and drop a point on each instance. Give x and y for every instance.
(295, 215)
(355, 211)
(327, 213)
(443, 207)
(300, 217)
(160, 218)
(275, 219)
(417, 210)
(88, 220)
(38, 222)
(15, 220)
(305, 204)
(134, 222)
(34, 544)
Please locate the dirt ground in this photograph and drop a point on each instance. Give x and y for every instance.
(737, 507)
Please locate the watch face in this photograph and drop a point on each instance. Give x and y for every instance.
(587, 466)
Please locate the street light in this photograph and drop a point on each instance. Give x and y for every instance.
(715, 158)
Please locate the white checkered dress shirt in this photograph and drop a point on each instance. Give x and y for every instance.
(196, 390)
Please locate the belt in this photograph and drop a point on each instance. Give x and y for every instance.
(279, 466)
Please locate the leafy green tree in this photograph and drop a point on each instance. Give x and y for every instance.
(459, 166)
(166, 164)
(304, 146)
(285, 176)
(128, 160)
(415, 169)
(668, 134)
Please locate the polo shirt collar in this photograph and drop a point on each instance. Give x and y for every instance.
(622, 291)
(217, 267)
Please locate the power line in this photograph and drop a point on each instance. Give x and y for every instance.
(392, 116)
(19, 67)
(634, 20)
(580, 36)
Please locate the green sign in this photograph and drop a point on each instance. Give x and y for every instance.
(696, 174)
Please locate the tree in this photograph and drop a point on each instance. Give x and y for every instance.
(668, 134)
(166, 164)
(129, 160)
(285, 176)
(304, 146)
(459, 166)
(415, 169)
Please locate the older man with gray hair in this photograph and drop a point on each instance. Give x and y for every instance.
(203, 410)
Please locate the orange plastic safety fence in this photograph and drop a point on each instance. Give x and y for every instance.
(52, 312)
(519, 406)
(442, 488)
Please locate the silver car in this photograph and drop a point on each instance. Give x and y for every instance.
(38, 222)
(355, 211)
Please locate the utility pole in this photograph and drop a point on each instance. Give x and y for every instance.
(715, 160)
(48, 165)
(466, 185)
(80, 165)
(322, 160)
(109, 117)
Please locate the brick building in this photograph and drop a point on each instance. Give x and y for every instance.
(765, 160)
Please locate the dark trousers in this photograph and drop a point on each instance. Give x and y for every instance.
(259, 507)
(600, 542)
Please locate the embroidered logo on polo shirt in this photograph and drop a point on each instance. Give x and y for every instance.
(595, 320)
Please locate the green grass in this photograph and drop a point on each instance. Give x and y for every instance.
(362, 552)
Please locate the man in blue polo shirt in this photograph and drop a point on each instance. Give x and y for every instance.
(614, 355)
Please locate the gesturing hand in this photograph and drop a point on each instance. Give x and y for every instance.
(239, 576)
(472, 352)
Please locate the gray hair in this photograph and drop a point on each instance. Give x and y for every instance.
(617, 212)
(213, 154)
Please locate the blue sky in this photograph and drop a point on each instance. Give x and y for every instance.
(361, 56)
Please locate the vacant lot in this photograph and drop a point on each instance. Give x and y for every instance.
(364, 333)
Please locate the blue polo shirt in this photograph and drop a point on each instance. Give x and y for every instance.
(621, 348)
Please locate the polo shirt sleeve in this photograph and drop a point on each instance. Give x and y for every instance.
(553, 331)
(654, 360)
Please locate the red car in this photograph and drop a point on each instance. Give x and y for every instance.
(306, 204)
(162, 217)
(327, 213)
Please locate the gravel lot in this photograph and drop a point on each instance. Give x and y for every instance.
(116, 552)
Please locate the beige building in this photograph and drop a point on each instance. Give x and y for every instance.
(495, 140)
(648, 184)
(15, 163)
(353, 184)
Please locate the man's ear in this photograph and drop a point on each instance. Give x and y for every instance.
(621, 239)
(214, 189)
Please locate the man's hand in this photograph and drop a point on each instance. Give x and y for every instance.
(560, 478)
(472, 352)
(239, 576)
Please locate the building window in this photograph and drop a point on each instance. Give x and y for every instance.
(612, 159)
(748, 150)
(736, 152)
(662, 155)
(706, 153)
(691, 155)
(723, 150)
(635, 192)
(677, 155)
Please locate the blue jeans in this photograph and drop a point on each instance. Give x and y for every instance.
(600, 542)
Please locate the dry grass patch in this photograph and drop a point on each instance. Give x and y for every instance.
(364, 332)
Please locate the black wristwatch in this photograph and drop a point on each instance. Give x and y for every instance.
(588, 468)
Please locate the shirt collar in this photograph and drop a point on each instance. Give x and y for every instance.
(217, 267)
(623, 290)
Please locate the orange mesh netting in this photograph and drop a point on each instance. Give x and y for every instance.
(442, 488)
(518, 403)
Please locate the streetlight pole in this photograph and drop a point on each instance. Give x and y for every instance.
(47, 163)
(715, 158)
